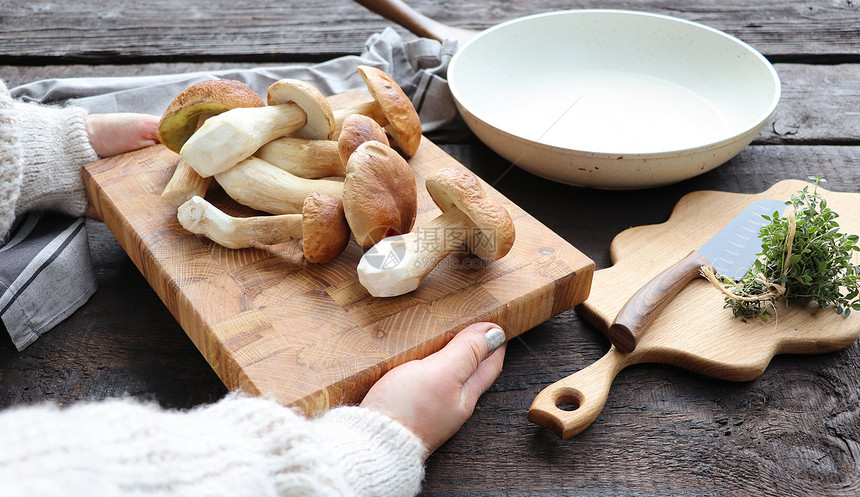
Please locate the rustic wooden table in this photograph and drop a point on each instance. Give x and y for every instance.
(663, 431)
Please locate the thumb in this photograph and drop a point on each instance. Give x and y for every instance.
(474, 358)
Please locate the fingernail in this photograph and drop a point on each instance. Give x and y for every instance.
(495, 338)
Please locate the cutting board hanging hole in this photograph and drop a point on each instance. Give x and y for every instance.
(568, 399)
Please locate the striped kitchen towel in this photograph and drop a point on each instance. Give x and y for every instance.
(46, 274)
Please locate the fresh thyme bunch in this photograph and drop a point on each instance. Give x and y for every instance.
(804, 258)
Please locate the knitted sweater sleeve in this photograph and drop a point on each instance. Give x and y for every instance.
(238, 446)
(42, 150)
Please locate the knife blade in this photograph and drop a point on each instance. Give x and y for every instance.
(731, 253)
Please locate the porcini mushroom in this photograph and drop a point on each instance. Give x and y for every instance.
(379, 194)
(390, 107)
(295, 108)
(398, 264)
(322, 158)
(207, 98)
(257, 184)
(187, 112)
(321, 226)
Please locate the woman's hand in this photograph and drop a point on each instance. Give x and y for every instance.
(117, 133)
(434, 396)
(114, 134)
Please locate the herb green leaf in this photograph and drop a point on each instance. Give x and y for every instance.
(818, 269)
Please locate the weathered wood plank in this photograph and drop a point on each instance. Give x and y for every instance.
(819, 103)
(278, 30)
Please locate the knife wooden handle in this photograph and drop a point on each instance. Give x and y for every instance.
(571, 404)
(646, 304)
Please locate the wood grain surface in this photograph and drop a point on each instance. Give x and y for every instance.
(694, 331)
(269, 322)
(267, 30)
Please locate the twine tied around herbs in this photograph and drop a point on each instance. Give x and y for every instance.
(774, 290)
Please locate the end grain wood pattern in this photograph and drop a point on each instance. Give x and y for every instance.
(694, 331)
(310, 335)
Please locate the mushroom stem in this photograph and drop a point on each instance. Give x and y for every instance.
(398, 264)
(226, 139)
(185, 182)
(304, 158)
(202, 218)
(257, 184)
(369, 109)
(321, 227)
(322, 158)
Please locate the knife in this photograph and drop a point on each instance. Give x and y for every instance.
(730, 253)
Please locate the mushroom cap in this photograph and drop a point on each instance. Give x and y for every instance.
(179, 121)
(357, 129)
(379, 194)
(458, 188)
(403, 121)
(320, 120)
(325, 233)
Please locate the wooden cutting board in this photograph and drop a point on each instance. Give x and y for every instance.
(310, 335)
(694, 331)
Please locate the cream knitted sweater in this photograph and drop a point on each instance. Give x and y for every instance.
(42, 150)
(237, 446)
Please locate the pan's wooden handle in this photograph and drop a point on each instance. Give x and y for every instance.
(646, 304)
(416, 22)
(404, 15)
(571, 404)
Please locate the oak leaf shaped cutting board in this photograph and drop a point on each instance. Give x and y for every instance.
(310, 335)
(694, 331)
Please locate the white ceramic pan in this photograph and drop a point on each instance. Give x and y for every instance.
(609, 99)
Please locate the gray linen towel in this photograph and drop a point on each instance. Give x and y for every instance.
(46, 275)
(418, 65)
(46, 272)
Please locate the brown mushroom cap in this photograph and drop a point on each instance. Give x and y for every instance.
(357, 129)
(403, 121)
(179, 121)
(325, 233)
(379, 194)
(459, 188)
(320, 116)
